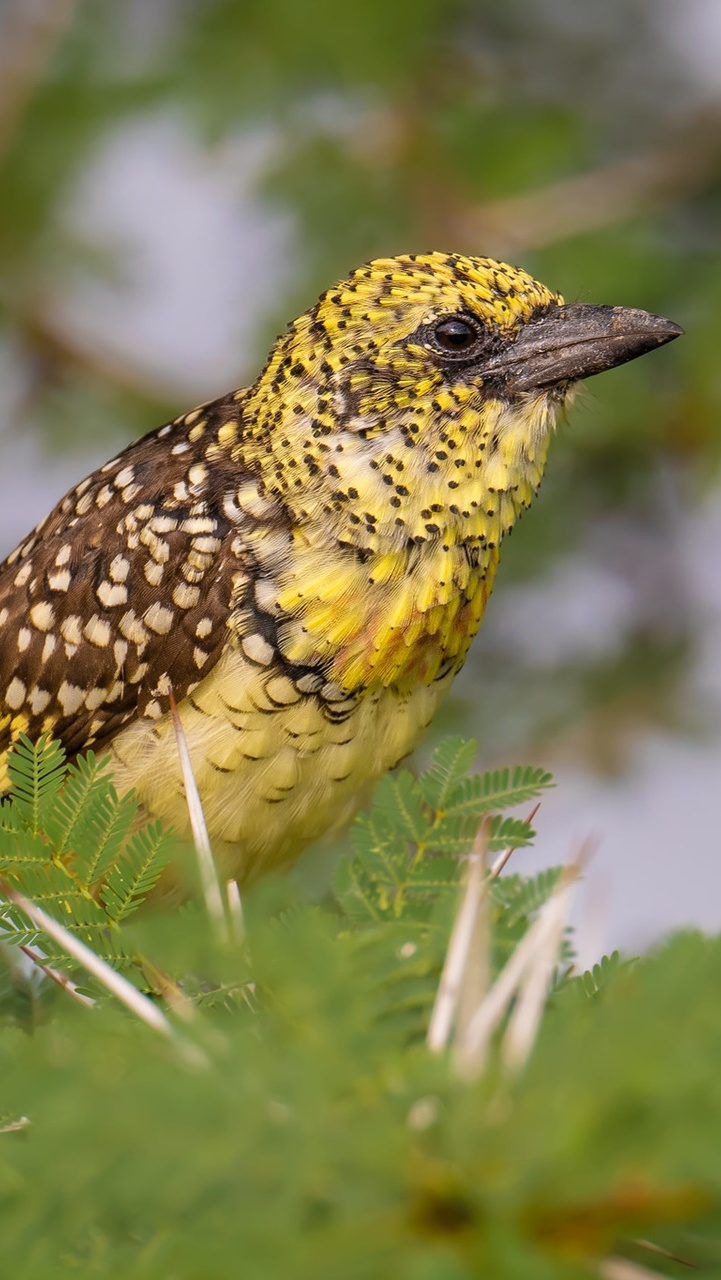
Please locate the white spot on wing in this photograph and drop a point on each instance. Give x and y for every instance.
(42, 615)
(159, 619)
(70, 697)
(124, 477)
(257, 649)
(112, 593)
(70, 629)
(132, 628)
(186, 597)
(38, 700)
(95, 699)
(119, 568)
(15, 695)
(59, 581)
(97, 631)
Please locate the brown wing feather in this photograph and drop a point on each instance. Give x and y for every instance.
(129, 579)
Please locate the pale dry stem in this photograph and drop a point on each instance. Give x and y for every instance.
(60, 979)
(464, 979)
(525, 977)
(622, 1269)
(466, 926)
(13, 1126)
(208, 873)
(235, 910)
(113, 982)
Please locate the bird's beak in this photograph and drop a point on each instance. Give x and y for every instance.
(575, 341)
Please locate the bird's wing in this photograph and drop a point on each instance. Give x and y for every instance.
(130, 579)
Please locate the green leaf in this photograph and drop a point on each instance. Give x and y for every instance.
(83, 781)
(398, 798)
(454, 834)
(133, 876)
(90, 819)
(509, 833)
(36, 774)
(451, 760)
(372, 880)
(357, 892)
(521, 897)
(19, 847)
(498, 789)
(596, 979)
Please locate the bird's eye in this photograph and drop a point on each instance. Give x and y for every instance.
(455, 335)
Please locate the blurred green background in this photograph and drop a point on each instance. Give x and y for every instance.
(177, 179)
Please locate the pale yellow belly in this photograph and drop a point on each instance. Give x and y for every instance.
(274, 771)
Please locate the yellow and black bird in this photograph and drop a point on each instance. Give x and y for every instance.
(304, 561)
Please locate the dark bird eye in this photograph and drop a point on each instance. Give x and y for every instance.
(455, 335)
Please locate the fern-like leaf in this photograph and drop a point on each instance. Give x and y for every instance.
(398, 798)
(90, 819)
(108, 828)
(133, 876)
(595, 980)
(521, 896)
(84, 781)
(368, 884)
(19, 848)
(450, 763)
(453, 834)
(36, 773)
(497, 789)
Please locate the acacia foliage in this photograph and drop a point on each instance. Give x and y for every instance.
(322, 1138)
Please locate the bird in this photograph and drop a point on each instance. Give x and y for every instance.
(303, 563)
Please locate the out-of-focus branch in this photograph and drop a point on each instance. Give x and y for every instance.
(603, 198)
(56, 346)
(29, 36)
(622, 189)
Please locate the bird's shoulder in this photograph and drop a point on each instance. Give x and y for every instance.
(130, 582)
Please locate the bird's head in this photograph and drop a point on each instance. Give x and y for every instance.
(417, 396)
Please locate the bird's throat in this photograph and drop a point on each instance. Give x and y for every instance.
(384, 609)
(395, 545)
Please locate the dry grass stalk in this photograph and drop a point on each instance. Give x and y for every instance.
(464, 979)
(665, 1253)
(499, 863)
(525, 977)
(235, 910)
(13, 1126)
(208, 874)
(60, 979)
(113, 982)
(622, 1269)
(463, 947)
(525, 1019)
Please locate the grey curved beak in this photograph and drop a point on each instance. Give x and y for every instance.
(576, 341)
